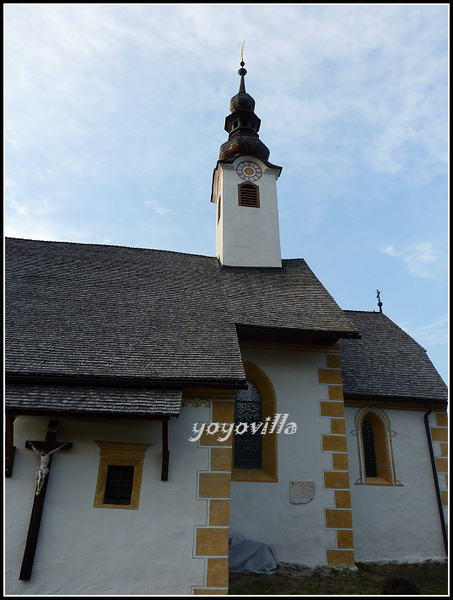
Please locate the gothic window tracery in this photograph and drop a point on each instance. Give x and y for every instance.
(247, 447)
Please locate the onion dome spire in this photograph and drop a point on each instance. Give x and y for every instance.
(243, 125)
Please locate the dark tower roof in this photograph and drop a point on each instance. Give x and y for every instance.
(242, 126)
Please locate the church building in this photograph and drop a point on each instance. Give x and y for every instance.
(161, 407)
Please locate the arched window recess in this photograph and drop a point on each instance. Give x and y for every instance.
(255, 454)
(375, 449)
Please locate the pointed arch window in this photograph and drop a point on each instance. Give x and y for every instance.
(368, 450)
(374, 442)
(249, 195)
(255, 455)
(247, 447)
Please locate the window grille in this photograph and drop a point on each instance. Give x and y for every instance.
(247, 447)
(369, 451)
(249, 195)
(118, 487)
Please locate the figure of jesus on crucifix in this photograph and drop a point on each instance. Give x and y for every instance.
(43, 469)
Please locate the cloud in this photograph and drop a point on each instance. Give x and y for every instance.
(420, 259)
(432, 334)
(11, 201)
(46, 176)
(160, 210)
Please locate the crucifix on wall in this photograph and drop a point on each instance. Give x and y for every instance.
(45, 450)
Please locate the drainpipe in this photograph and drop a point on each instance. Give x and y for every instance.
(436, 480)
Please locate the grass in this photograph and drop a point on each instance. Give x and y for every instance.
(430, 577)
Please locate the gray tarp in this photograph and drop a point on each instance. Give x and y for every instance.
(251, 555)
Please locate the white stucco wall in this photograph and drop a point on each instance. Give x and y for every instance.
(398, 523)
(248, 236)
(88, 551)
(262, 511)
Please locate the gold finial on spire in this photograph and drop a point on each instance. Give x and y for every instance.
(242, 52)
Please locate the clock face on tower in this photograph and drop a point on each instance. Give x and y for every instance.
(249, 171)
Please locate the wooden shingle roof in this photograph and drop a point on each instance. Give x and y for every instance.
(116, 313)
(126, 319)
(386, 362)
(92, 400)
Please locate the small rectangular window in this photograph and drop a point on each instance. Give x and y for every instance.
(119, 475)
(118, 487)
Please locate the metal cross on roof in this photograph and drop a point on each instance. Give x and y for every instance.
(378, 296)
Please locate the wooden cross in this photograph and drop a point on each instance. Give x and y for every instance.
(45, 450)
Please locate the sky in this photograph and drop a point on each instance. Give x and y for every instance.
(114, 116)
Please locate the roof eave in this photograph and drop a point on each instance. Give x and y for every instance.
(306, 336)
(137, 382)
(386, 399)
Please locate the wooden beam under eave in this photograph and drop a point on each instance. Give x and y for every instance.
(165, 451)
(10, 449)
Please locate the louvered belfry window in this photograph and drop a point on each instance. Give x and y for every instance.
(249, 195)
(118, 487)
(247, 447)
(368, 449)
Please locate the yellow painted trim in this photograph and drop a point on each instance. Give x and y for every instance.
(336, 480)
(442, 465)
(336, 393)
(338, 426)
(442, 419)
(214, 485)
(221, 459)
(329, 376)
(210, 592)
(340, 462)
(223, 412)
(375, 481)
(212, 542)
(382, 436)
(269, 463)
(121, 454)
(219, 512)
(332, 409)
(339, 518)
(337, 558)
(345, 538)
(439, 434)
(217, 572)
(334, 443)
(342, 499)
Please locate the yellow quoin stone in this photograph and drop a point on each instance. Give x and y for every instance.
(214, 485)
(340, 557)
(212, 542)
(330, 376)
(219, 512)
(338, 517)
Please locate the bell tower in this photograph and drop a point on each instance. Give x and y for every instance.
(244, 188)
